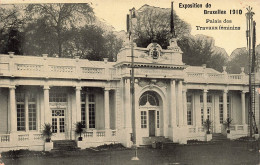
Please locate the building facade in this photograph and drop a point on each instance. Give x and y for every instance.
(172, 99)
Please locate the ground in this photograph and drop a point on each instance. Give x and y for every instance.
(227, 153)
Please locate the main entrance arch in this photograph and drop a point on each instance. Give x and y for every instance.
(150, 106)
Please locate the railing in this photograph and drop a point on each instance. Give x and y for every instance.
(219, 78)
(4, 138)
(113, 132)
(37, 136)
(23, 137)
(88, 134)
(48, 67)
(99, 133)
(192, 130)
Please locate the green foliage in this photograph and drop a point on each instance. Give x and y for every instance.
(46, 132)
(79, 128)
(153, 24)
(61, 17)
(200, 50)
(207, 124)
(228, 123)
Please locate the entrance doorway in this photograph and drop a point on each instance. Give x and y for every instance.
(58, 123)
(151, 123)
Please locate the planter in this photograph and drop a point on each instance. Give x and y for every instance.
(229, 136)
(48, 146)
(256, 136)
(208, 137)
(154, 145)
(81, 144)
(79, 138)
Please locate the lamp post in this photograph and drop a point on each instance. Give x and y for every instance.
(131, 21)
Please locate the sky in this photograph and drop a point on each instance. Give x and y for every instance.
(114, 13)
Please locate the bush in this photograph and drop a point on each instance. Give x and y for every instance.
(111, 146)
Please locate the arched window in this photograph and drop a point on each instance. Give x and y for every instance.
(149, 97)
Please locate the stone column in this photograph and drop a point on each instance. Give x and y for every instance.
(180, 103)
(225, 105)
(78, 104)
(47, 112)
(173, 104)
(12, 109)
(106, 108)
(243, 104)
(184, 94)
(205, 104)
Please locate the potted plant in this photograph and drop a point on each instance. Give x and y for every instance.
(227, 125)
(79, 130)
(256, 134)
(47, 133)
(207, 124)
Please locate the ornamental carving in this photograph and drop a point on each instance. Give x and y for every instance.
(151, 83)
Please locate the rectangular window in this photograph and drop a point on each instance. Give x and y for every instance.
(202, 114)
(208, 113)
(143, 119)
(57, 96)
(228, 107)
(23, 100)
(201, 98)
(54, 125)
(91, 108)
(221, 109)
(189, 110)
(20, 107)
(209, 99)
(83, 108)
(32, 116)
(158, 119)
(32, 111)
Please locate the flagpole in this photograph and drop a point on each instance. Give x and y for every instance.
(131, 17)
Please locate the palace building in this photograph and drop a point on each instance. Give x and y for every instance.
(172, 100)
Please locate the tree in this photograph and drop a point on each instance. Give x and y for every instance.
(199, 49)
(113, 45)
(238, 59)
(154, 24)
(12, 21)
(61, 17)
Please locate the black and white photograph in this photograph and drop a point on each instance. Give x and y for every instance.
(138, 82)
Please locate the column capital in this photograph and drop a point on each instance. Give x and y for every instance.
(243, 91)
(46, 87)
(107, 88)
(78, 88)
(184, 90)
(205, 91)
(225, 91)
(12, 87)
